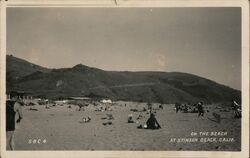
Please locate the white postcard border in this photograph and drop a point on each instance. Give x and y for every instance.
(132, 3)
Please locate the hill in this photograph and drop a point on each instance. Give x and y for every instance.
(17, 68)
(81, 80)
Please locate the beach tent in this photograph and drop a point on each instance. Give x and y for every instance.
(60, 102)
(106, 101)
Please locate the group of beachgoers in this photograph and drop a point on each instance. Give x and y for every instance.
(185, 108)
(151, 122)
(199, 108)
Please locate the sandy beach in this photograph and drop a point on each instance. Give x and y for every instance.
(59, 128)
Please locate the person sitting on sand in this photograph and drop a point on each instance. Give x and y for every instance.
(152, 123)
(139, 117)
(85, 120)
(130, 118)
(160, 107)
(109, 117)
(149, 106)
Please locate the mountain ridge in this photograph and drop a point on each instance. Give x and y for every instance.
(146, 86)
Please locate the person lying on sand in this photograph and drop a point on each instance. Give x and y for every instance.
(134, 110)
(33, 109)
(107, 123)
(99, 109)
(108, 117)
(85, 120)
(142, 127)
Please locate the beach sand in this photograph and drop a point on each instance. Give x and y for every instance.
(59, 128)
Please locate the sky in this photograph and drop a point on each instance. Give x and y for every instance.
(201, 41)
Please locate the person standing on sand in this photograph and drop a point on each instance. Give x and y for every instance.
(236, 109)
(177, 107)
(200, 109)
(149, 106)
(12, 107)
